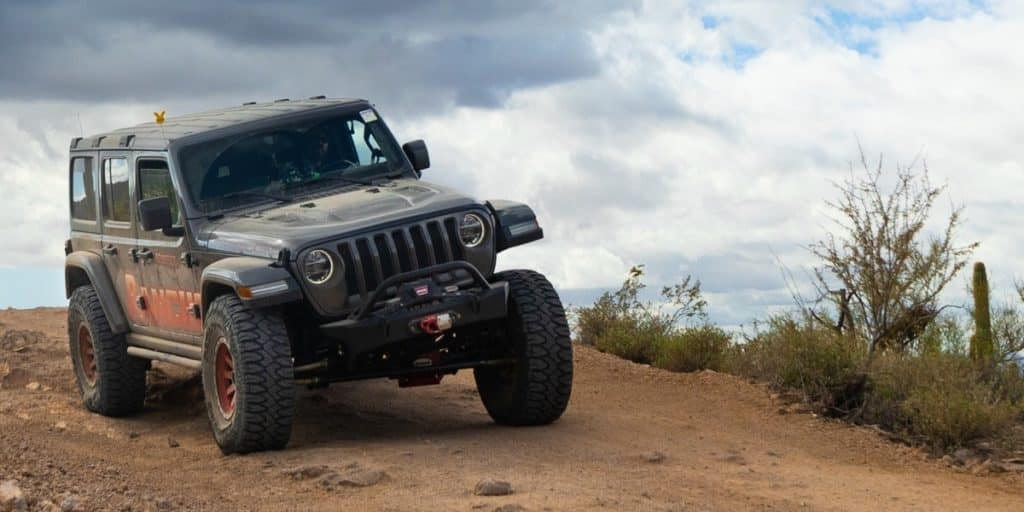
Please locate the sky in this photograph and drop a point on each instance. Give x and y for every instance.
(695, 137)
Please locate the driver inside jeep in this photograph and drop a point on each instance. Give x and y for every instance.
(285, 161)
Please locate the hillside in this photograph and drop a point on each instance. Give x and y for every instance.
(634, 438)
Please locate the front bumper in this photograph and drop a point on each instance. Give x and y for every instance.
(384, 321)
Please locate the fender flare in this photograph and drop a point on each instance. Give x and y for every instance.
(514, 224)
(96, 272)
(258, 282)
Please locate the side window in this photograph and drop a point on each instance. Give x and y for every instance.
(155, 181)
(83, 191)
(116, 194)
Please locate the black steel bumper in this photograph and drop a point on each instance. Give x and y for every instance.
(384, 320)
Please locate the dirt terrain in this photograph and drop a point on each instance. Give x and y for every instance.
(634, 438)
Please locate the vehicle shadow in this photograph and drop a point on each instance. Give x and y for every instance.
(375, 410)
(380, 411)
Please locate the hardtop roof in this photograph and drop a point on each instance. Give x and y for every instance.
(152, 136)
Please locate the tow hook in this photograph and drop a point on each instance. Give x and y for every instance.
(436, 324)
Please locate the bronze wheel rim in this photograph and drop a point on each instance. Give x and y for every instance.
(224, 372)
(87, 355)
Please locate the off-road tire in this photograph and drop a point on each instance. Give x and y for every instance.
(118, 383)
(264, 386)
(535, 390)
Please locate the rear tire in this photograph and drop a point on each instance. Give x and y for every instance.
(535, 390)
(111, 382)
(248, 378)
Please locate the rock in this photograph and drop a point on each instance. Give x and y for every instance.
(172, 442)
(353, 476)
(33, 386)
(966, 457)
(654, 457)
(70, 503)
(795, 408)
(133, 435)
(307, 472)
(511, 507)
(15, 378)
(47, 506)
(60, 425)
(1013, 465)
(735, 458)
(981, 469)
(11, 497)
(490, 487)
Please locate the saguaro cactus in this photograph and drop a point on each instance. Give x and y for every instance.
(982, 346)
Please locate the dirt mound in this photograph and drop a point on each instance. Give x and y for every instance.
(634, 438)
(19, 340)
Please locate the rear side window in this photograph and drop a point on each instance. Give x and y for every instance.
(83, 189)
(116, 195)
(155, 181)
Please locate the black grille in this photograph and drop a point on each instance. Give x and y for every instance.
(371, 258)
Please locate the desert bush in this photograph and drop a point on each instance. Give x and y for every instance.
(672, 333)
(702, 347)
(788, 351)
(942, 399)
(630, 339)
(935, 396)
(947, 333)
(881, 273)
(1008, 332)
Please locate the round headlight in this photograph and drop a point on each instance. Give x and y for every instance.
(318, 267)
(472, 230)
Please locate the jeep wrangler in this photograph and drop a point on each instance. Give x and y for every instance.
(293, 243)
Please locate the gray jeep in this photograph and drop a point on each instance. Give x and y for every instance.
(293, 243)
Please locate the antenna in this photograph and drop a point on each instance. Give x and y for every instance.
(81, 132)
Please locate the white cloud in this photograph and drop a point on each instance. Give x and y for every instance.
(675, 153)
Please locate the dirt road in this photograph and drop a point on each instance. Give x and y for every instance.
(634, 438)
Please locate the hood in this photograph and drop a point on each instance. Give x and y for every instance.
(294, 225)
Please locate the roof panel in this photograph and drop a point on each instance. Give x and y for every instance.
(153, 136)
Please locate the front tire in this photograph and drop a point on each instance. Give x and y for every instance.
(535, 390)
(248, 379)
(111, 382)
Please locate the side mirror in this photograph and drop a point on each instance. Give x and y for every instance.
(155, 214)
(416, 150)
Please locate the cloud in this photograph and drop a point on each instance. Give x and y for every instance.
(698, 138)
(420, 57)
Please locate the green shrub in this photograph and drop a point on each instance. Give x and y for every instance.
(943, 399)
(946, 333)
(702, 347)
(789, 352)
(622, 324)
(629, 339)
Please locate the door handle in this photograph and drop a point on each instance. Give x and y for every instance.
(144, 254)
(109, 249)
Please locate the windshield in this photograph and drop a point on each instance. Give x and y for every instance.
(279, 163)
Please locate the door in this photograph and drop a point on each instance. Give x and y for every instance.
(118, 240)
(169, 284)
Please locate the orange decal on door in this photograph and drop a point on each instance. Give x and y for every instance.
(164, 308)
(170, 309)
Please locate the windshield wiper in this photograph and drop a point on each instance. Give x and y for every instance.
(254, 193)
(342, 178)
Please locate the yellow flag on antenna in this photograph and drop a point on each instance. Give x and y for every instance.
(160, 116)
